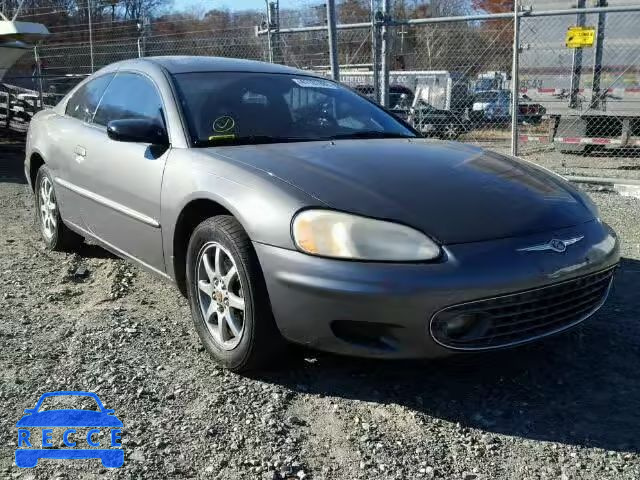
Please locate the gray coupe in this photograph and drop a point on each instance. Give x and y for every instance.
(287, 207)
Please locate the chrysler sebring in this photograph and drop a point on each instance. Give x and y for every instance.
(287, 207)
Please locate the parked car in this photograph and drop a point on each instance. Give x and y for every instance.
(400, 98)
(433, 122)
(494, 106)
(530, 111)
(286, 206)
(428, 120)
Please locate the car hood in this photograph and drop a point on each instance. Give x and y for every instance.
(453, 192)
(69, 418)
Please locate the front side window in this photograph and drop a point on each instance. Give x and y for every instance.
(129, 95)
(83, 103)
(242, 107)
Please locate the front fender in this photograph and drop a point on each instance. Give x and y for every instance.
(263, 204)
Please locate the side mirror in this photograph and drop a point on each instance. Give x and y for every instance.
(139, 130)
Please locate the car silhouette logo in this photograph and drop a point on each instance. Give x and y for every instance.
(34, 445)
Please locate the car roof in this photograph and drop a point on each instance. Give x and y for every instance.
(190, 64)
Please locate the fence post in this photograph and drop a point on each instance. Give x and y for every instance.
(90, 34)
(7, 118)
(386, 40)
(269, 40)
(576, 62)
(143, 26)
(515, 83)
(36, 57)
(375, 47)
(333, 44)
(596, 96)
(273, 25)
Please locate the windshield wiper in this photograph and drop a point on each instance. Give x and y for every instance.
(369, 134)
(248, 140)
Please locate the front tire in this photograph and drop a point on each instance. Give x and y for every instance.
(228, 297)
(56, 235)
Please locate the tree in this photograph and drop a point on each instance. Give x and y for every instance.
(493, 6)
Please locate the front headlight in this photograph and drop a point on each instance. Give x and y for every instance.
(341, 235)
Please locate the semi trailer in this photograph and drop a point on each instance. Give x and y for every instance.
(591, 94)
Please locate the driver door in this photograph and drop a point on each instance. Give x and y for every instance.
(124, 179)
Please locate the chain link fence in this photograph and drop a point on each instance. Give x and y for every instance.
(575, 108)
(590, 95)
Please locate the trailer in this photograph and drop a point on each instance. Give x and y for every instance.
(441, 89)
(591, 93)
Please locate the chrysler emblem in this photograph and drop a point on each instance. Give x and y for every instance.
(555, 245)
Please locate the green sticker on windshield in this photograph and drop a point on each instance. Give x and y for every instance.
(224, 124)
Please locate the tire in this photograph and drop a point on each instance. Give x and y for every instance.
(450, 132)
(240, 339)
(56, 235)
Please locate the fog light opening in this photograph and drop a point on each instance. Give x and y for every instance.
(466, 325)
(378, 336)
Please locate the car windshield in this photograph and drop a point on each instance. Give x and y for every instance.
(225, 108)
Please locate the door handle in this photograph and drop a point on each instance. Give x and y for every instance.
(80, 151)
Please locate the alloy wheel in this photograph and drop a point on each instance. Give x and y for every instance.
(220, 295)
(48, 208)
(451, 131)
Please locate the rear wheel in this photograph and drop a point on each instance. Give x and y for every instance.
(228, 298)
(56, 235)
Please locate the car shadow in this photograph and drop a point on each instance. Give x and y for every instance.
(91, 250)
(12, 159)
(579, 388)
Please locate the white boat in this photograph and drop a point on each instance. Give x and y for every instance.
(17, 38)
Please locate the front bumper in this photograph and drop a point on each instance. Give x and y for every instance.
(343, 306)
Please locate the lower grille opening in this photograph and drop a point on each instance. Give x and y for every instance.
(520, 317)
(366, 334)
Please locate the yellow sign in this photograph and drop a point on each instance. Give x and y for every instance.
(579, 37)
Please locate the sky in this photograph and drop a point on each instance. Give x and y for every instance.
(231, 4)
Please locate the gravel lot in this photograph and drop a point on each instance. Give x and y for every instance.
(567, 408)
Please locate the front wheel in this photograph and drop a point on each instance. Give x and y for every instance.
(228, 297)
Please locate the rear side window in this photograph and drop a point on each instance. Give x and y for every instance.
(82, 104)
(129, 95)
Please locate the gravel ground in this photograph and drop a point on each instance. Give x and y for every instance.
(566, 408)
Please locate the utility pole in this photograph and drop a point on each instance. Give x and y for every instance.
(333, 44)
